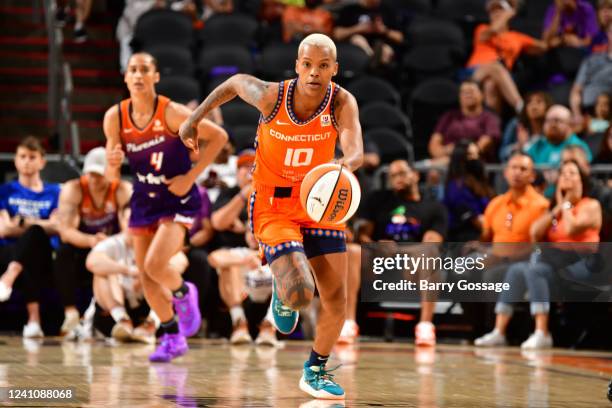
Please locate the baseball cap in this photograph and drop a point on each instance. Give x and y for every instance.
(95, 161)
(246, 158)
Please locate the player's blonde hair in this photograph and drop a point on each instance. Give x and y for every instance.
(318, 40)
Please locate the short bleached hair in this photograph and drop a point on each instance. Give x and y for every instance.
(318, 40)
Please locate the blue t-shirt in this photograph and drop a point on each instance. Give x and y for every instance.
(19, 200)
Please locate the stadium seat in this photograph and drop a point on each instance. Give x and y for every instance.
(352, 61)
(569, 60)
(172, 60)
(243, 137)
(235, 29)
(409, 7)
(278, 61)
(530, 27)
(162, 26)
(181, 89)
(238, 113)
(225, 60)
(428, 101)
(382, 115)
(369, 89)
(428, 31)
(560, 93)
(465, 10)
(428, 61)
(391, 145)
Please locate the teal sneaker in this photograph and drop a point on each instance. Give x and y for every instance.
(319, 383)
(285, 319)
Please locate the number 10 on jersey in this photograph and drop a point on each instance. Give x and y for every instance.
(157, 159)
(298, 157)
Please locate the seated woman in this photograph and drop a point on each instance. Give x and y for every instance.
(496, 49)
(467, 193)
(575, 218)
(528, 124)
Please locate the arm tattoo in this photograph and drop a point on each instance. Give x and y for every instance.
(294, 279)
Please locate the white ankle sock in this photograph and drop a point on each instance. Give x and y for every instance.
(237, 314)
(118, 313)
(153, 316)
(78, 25)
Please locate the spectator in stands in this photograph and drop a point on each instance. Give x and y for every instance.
(546, 151)
(600, 189)
(217, 7)
(594, 78)
(81, 14)
(127, 23)
(574, 218)
(604, 155)
(599, 121)
(298, 22)
(371, 26)
(221, 174)
(27, 231)
(569, 23)
(118, 294)
(229, 217)
(528, 125)
(401, 215)
(467, 193)
(496, 49)
(604, 16)
(506, 223)
(470, 122)
(241, 275)
(89, 209)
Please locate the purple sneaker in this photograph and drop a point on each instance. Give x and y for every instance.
(171, 346)
(188, 311)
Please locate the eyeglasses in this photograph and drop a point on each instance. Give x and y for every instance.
(555, 120)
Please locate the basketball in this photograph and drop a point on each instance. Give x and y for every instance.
(330, 194)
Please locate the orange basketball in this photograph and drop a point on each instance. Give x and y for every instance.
(330, 194)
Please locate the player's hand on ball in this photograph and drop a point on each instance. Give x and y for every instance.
(189, 135)
(115, 156)
(179, 185)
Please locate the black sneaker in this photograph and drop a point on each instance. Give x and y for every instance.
(80, 35)
(610, 391)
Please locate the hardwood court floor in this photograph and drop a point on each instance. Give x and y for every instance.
(214, 374)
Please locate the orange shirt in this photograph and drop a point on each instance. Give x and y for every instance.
(286, 147)
(99, 219)
(310, 20)
(506, 46)
(557, 233)
(510, 220)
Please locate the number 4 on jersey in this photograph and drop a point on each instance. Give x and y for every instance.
(156, 160)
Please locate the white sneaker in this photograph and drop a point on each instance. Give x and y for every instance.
(241, 335)
(537, 341)
(145, 333)
(5, 292)
(492, 339)
(122, 330)
(266, 337)
(425, 334)
(32, 330)
(71, 321)
(349, 332)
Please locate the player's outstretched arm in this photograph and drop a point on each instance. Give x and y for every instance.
(349, 130)
(254, 91)
(114, 152)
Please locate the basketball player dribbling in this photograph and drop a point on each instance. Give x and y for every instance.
(301, 120)
(165, 200)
